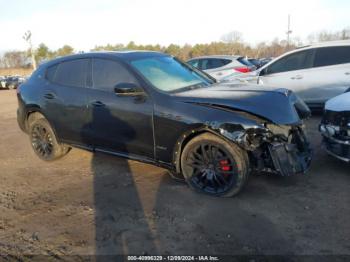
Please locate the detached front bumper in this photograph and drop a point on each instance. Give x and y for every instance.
(288, 159)
(286, 151)
(339, 148)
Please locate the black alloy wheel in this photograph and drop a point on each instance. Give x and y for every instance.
(214, 166)
(214, 170)
(42, 141)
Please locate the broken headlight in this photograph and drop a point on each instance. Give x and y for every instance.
(329, 130)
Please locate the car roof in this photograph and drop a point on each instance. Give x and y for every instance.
(123, 55)
(326, 44)
(216, 56)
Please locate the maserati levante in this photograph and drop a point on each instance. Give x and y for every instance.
(151, 107)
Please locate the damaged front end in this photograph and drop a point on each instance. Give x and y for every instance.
(335, 129)
(283, 150)
(279, 149)
(267, 123)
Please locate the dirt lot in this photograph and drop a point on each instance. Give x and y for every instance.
(98, 204)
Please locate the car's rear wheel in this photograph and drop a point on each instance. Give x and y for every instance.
(213, 166)
(43, 139)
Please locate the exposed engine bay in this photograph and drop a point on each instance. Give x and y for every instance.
(283, 150)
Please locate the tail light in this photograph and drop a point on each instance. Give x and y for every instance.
(243, 69)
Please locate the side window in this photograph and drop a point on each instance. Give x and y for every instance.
(194, 63)
(211, 63)
(326, 56)
(72, 73)
(225, 61)
(203, 64)
(214, 63)
(295, 61)
(107, 74)
(50, 72)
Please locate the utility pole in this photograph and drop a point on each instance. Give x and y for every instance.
(288, 31)
(28, 38)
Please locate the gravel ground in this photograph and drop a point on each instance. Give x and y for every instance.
(86, 204)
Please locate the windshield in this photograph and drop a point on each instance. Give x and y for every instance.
(169, 75)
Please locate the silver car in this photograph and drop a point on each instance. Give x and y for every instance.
(316, 72)
(221, 66)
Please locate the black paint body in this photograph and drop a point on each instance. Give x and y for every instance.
(154, 126)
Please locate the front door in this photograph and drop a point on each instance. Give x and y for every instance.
(118, 123)
(290, 72)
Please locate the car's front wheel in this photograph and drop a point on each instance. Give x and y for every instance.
(214, 166)
(43, 139)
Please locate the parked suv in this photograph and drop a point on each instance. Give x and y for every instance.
(316, 73)
(150, 107)
(222, 65)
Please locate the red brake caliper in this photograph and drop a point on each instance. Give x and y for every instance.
(224, 165)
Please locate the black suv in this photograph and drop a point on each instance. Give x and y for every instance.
(150, 107)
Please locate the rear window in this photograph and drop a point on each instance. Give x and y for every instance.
(72, 73)
(211, 63)
(244, 61)
(334, 55)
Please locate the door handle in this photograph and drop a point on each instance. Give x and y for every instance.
(347, 73)
(297, 77)
(98, 104)
(49, 96)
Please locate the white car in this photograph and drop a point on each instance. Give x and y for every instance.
(221, 66)
(316, 72)
(335, 127)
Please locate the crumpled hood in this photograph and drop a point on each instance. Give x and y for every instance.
(280, 106)
(339, 103)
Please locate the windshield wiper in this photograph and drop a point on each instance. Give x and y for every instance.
(195, 86)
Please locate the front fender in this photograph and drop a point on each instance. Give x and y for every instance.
(231, 132)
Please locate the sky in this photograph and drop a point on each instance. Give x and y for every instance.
(85, 24)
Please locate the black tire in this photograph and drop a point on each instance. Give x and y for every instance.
(213, 166)
(43, 139)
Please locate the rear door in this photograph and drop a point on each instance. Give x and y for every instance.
(118, 123)
(330, 75)
(290, 72)
(64, 99)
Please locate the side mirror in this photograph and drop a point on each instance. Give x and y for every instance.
(128, 89)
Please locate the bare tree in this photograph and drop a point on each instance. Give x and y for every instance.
(235, 41)
(28, 38)
(14, 59)
(232, 37)
(345, 34)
